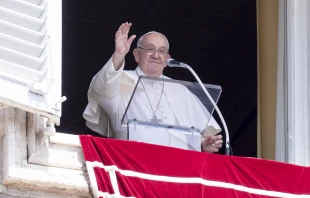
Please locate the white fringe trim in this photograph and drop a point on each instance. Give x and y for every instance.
(188, 180)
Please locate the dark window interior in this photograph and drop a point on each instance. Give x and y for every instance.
(217, 38)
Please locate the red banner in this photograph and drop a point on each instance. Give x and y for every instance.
(119, 168)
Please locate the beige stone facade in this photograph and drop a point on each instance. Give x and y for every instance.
(34, 165)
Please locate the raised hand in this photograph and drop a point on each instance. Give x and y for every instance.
(122, 44)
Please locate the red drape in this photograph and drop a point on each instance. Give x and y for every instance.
(146, 170)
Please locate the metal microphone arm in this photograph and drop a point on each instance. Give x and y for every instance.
(227, 148)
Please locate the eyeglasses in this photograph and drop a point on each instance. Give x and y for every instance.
(151, 50)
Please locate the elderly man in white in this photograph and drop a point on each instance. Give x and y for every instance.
(112, 87)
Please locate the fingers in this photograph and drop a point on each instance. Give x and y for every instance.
(119, 31)
(212, 144)
(122, 43)
(218, 137)
(211, 148)
(126, 28)
(117, 34)
(209, 139)
(217, 145)
(123, 29)
(131, 39)
(122, 33)
(218, 142)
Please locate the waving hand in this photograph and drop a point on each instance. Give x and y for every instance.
(122, 44)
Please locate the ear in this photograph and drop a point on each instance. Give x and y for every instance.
(168, 56)
(136, 54)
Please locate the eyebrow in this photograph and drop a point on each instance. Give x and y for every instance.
(148, 44)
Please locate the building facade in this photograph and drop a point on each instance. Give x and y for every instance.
(35, 161)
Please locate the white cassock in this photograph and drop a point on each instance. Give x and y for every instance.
(110, 92)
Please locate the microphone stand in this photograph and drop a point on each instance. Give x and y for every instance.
(227, 143)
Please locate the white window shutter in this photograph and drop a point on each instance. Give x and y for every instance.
(30, 56)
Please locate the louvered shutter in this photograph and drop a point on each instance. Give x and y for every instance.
(30, 56)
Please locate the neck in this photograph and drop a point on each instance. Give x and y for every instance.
(141, 72)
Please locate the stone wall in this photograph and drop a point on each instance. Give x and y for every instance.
(35, 165)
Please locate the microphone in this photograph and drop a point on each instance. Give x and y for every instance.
(173, 63)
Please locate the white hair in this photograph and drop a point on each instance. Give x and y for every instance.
(151, 32)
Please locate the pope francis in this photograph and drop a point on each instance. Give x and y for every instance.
(112, 87)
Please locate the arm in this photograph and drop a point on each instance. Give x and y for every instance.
(105, 85)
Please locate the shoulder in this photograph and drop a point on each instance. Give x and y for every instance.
(130, 74)
(129, 77)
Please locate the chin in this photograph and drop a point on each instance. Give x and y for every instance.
(154, 70)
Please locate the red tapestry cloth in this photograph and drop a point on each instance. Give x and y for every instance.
(119, 168)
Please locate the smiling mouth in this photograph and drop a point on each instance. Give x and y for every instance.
(154, 62)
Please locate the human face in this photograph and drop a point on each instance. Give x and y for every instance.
(152, 64)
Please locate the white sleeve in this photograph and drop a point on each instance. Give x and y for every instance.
(105, 87)
(103, 97)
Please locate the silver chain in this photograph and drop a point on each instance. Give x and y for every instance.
(154, 112)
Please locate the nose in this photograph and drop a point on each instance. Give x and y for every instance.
(155, 54)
